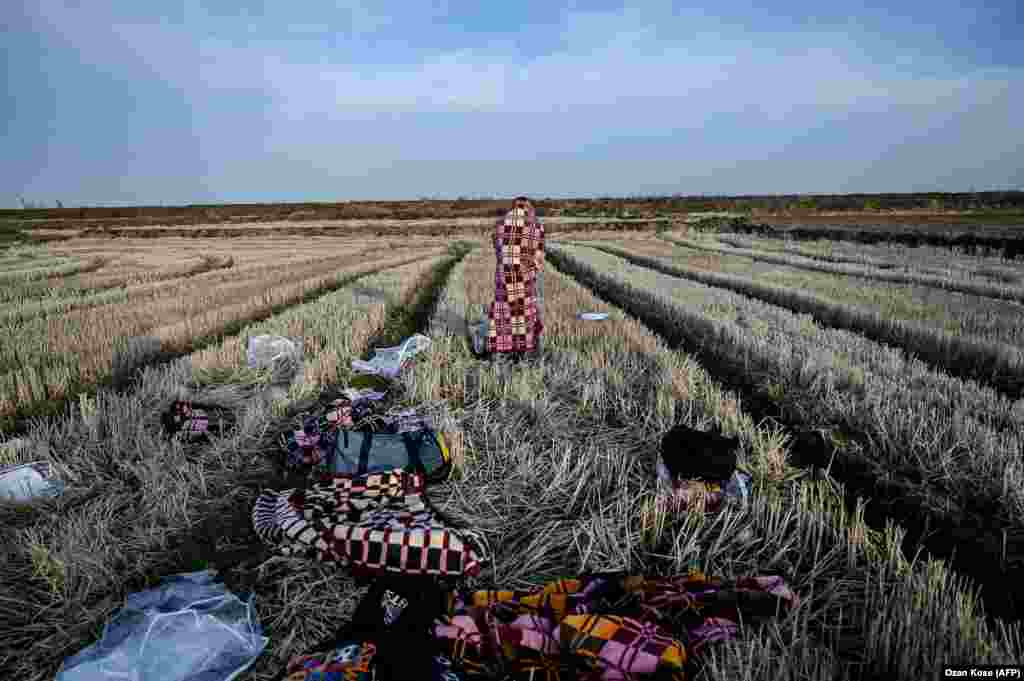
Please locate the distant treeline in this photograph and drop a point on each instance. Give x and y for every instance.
(640, 207)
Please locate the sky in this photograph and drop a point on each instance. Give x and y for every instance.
(127, 103)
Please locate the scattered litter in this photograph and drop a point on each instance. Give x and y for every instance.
(389, 362)
(280, 354)
(593, 316)
(25, 482)
(186, 629)
(364, 394)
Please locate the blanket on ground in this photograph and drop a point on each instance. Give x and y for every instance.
(602, 627)
(379, 522)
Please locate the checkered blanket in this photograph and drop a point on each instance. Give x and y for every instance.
(513, 320)
(601, 627)
(378, 522)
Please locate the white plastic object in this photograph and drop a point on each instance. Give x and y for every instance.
(389, 362)
(25, 482)
(593, 316)
(187, 628)
(270, 352)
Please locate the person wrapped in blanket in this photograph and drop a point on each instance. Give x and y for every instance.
(513, 322)
(599, 627)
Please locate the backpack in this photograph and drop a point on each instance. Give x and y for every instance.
(396, 617)
(360, 452)
(689, 453)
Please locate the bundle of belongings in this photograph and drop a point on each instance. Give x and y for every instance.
(355, 434)
(195, 422)
(697, 471)
(593, 627)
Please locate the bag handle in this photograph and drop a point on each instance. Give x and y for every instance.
(364, 453)
(414, 453)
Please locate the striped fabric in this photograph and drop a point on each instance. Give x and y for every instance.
(378, 522)
(610, 627)
(513, 321)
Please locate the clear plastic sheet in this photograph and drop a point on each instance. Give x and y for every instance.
(189, 628)
(389, 362)
(281, 354)
(24, 482)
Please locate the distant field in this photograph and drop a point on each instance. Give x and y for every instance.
(838, 367)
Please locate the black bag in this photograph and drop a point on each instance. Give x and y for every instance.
(397, 615)
(690, 453)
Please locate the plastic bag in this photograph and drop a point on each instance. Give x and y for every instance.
(390, 361)
(738, 486)
(280, 354)
(187, 629)
(25, 482)
(478, 333)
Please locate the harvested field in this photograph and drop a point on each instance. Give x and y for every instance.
(973, 337)
(946, 448)
(554, 458)
(941, 262)
(949, 280)
(54, 349)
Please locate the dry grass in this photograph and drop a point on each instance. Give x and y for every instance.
(951, 447)
(971, 337)
(69, 564)
(46, 358)
(949, 280)
(555, 465)
(559, 470)
(943, 262)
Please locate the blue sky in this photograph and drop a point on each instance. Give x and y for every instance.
(115, 103)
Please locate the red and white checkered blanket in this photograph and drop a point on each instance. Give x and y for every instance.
(379, 522)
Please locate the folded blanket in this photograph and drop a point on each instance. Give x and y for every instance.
(379, 522)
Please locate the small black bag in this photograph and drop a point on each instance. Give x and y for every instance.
(397, 615)
(689, 453)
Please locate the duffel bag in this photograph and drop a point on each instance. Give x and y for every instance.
(360, 452)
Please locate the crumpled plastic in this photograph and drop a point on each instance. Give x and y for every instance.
(189, 628)
(24, 482)
(389, 362)
(281, 355)
(274, 352)
(478, 333)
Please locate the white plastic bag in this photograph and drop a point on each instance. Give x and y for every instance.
(188, 628)
(388, 362)
(280, 354)
(25, 482)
